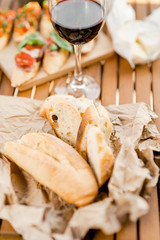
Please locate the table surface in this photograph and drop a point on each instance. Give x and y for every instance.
(119, 85)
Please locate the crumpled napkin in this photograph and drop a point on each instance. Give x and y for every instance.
(136, 40)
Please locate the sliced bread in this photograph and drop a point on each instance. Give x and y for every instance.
(100, 155)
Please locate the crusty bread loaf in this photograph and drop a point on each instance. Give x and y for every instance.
(100, 155)
(20, 76)
(52, 62)
(55, 165)
(91, 118)
(45, 26)
(65, 120)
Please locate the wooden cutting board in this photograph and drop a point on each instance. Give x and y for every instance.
(102, 50)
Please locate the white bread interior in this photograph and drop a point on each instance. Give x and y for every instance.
(20, 76)
(45, 26)
(80, 104)
(100, 155)
(65, 120)
(52, 62)
(55, 165)
(4, 41)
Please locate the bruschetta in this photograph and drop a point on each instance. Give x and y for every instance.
(45, 24)
(26, 21)
(6, 24)
(56, 53)
(28, 58)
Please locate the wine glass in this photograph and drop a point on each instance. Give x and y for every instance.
(78, 22)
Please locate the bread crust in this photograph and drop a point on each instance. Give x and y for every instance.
(55, 165)
(4, 41)
(20, 76)
(45, 26)
(100, 155)
(52, 62)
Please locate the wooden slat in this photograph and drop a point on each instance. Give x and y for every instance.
(6, 228)
(153, 4)
(101, 236)
(5, 4)
(109, 81)
(143, 84)
(126, 86)
(95, 72)
(128, 232)
(5, 87)
(142, 9)
(156, 88)
(42, 91)
(149, 224)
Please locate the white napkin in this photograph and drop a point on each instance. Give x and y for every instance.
(136, 40)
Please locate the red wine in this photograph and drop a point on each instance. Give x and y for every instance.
(77, 21)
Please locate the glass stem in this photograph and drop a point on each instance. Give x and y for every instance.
(78, 80)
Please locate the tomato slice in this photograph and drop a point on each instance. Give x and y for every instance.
(31, 47)
(24, 59)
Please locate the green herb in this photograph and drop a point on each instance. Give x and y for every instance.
(33, 40)
(60, 42)
(21, 25)
(53, 47)
(4, 24)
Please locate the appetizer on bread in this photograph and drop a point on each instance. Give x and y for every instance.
(56, 165)
(45, 24)
(26, 21)
(28, 58)
(6, 24)
(56, 53)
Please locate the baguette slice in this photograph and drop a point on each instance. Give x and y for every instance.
(80, 103)
(52, 62)
(93, 116)
(55, 165)
(100, 155)
(4, 41)
(19, 38)
(45, 26)
(65, 120)
(20, 76)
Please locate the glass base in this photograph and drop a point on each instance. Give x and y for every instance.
(89, 89)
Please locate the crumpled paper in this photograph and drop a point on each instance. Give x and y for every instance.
(38, 213)
(136, 40)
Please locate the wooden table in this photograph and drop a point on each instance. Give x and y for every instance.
(119, 85)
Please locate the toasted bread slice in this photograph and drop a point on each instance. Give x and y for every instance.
(4, 41)
(45, 26)
(19, 38)
(100, 155)
(52, 62)
(20, 76)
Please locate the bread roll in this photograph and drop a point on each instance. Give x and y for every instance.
(100, 155)
(55, 165)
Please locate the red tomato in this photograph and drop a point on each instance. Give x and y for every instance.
(49, 41)
(24, 59)
(30, 47)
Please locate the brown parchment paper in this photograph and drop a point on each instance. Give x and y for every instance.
(37, 213)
